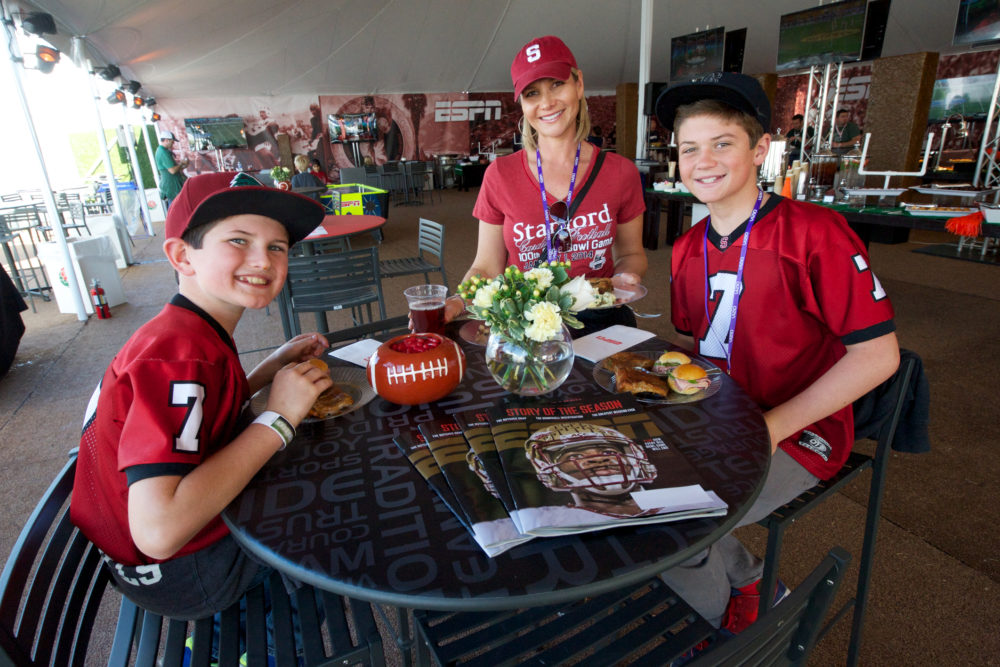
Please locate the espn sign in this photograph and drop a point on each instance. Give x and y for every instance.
(450, 110)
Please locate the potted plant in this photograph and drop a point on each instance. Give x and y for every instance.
(282, 177)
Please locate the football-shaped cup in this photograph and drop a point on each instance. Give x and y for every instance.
(416, 368)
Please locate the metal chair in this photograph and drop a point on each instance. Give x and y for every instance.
(337, 281)
(55, 581)
(372, 177)
(11, 198)
(430, 241)
(352, 175)
(786, 634)
(22, 265)
(74, 217)
(647, 624)
(894, 390)
(390, 327)
(394, 180)
(416, 173)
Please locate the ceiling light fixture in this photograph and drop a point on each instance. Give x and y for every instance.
(150, 102)
(132, 87)
(117, 97)
(47, 58)
(39, 23)
(137, 102)
(109, 73)
(154, 117)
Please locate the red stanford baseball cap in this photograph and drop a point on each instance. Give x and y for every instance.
(209, 197)
(542, 58)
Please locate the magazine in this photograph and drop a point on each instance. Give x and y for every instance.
(581, 466)
(416, 450)
(488, 520)
(475, 426)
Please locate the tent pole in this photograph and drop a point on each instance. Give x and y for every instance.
(50, 202)
(139, 183)
(645, 51)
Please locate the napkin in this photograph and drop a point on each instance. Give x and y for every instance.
(604, 343)
(357, 353)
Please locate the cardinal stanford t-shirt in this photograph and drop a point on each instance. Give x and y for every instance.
(607, 195)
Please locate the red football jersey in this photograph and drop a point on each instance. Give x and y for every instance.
(807, 292)
(510, 197)
(171, 397)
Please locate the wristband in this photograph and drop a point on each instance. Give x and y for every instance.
(279, 425)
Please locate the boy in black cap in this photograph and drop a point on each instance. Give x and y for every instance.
(780, 295)
(164, 448)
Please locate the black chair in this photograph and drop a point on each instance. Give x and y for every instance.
(895, 392)
(786, 634)
(383, 328)
(430, 242)
(335, 281)
(394, 180)
(23, 265)
(372, 177)
(644, 625)
(55, 581)
(416, 174)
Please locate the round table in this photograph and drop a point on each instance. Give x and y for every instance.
(343, 509)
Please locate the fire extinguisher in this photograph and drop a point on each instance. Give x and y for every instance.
(99, 301)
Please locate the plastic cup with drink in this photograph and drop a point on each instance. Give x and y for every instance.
(426, 303)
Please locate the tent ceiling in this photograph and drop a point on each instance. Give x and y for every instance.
(219, 48)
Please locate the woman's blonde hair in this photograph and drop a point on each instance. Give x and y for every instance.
(529, 137)
(301, 162)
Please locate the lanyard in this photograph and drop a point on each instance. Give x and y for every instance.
(551, 254)
(728, 343)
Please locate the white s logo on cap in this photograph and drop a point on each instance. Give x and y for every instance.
(533, 53)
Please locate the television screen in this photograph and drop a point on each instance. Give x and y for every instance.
(697, 54)
(349, 127)
(208, 134)
(969, 96)
(828, 34)
(978, 22)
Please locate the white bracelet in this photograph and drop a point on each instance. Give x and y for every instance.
(279, 425)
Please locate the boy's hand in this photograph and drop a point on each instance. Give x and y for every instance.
(300, 348)
(295, 389)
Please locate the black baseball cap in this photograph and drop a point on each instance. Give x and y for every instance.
(739, 91)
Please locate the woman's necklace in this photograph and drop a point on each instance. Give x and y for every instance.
(550, 251)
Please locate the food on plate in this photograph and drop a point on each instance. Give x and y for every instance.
(605, 292)
(688, 379)
(668, 360)
(635, 381)
(628, 360)
(331, 403)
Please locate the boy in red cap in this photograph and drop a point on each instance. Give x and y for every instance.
(779, 294)
(164, 446)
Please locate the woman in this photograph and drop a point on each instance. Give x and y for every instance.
(316, 169)
(522, 205)
(304, 178)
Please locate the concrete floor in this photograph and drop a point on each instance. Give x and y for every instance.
(935, 593)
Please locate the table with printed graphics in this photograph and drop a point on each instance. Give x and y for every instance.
(343, 510)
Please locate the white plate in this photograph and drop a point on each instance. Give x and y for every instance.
(951, 192)
(623, 296)
(928, 212)
(606, 378)
(351, 380)
(887, 192)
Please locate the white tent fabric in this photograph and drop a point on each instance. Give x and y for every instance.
(216, 48)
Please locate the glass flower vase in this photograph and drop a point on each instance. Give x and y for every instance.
(529, 368)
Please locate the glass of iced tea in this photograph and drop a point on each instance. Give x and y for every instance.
(426, 304)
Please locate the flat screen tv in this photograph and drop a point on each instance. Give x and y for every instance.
(208, 134)
(968, 96)
(978, 22)
(697, 54)
(348, 127)
(831, 33)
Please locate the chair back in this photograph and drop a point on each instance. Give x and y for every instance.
(9, 198)
(23, 217)
(787, 633)
(430, 238)
(55, 575)
(352, 175)
(334, 281)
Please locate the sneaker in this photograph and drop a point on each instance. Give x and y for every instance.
(188, 650)
(744, 604)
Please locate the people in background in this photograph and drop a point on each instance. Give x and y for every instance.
(171, 172)
(597, 136)
(559, 198)
(304, 178)
(846, 133)
(316, 169)
(164, 448)
(779, 294)
(794, 138)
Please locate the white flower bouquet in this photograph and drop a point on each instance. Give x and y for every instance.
(529, 351)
